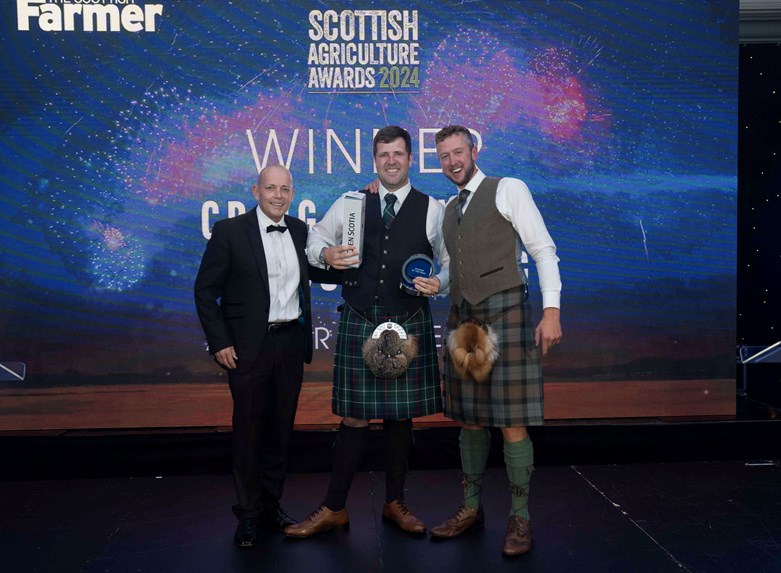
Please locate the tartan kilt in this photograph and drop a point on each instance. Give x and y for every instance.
(513, 394)
(358, 393)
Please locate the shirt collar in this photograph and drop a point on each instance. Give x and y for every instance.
(475, 181)
(400, 194)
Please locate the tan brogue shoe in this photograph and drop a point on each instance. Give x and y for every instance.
(518, 539)
(321, 519)
(463, 519)
(398, 512)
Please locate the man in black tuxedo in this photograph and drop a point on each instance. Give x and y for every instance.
(252, 298)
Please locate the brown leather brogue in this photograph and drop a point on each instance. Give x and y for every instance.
(518, 539)
(321, 519)
(398, 512)
(462, 520)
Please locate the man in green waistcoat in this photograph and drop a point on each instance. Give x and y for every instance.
(488, 289)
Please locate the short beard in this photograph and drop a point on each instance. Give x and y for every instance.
(469, 175)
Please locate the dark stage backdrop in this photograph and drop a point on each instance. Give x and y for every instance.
(129, 127)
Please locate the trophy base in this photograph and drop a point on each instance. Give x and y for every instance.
(410, 290)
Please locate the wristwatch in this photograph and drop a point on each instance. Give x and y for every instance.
(321, 258)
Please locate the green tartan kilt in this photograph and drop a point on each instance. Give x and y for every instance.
(357, 393)
(513, 394)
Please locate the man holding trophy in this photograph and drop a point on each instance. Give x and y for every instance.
(385, 361)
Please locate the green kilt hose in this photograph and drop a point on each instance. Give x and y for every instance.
(358, 393)
(512, 396)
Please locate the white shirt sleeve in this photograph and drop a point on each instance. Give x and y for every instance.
(434, 218)
(326, 233)
(514, 201)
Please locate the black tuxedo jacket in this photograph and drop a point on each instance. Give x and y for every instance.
(232, 289)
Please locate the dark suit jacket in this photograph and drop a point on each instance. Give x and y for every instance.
(232, 289)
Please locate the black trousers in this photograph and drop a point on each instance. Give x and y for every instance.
(265, 398)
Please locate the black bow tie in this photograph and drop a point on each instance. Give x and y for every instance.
(272, 228)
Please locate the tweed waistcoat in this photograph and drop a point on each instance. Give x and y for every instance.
(384, 252)
(482, 248)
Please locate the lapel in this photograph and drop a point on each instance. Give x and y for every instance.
(256, 243)
(298, 233)
(299, 242)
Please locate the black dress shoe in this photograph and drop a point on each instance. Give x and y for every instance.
(246, 533)
(276, 518)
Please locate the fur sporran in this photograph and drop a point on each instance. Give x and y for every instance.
(389, 355)
(473, 347)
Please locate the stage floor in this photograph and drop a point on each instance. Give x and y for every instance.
(691, 517)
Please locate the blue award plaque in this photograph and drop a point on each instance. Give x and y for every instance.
(415, 266)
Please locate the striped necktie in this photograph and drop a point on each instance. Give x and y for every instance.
(462, 196)
(389, 213)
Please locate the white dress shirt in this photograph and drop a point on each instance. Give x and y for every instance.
(515, 203)
(328, 231)
(284, 274)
